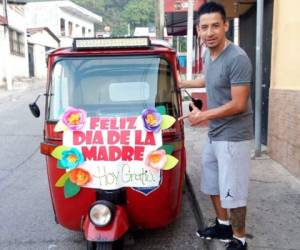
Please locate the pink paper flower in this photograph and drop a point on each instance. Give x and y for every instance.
(156, 159)
(74, 118)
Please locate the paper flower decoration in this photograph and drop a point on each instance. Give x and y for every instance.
(152, 119)
(74, 118)
(79, 176)
(156, 159)
(71, 158)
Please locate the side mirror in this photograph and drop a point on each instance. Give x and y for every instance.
(34, 108)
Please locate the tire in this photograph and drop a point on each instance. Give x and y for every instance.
(104, 246)
(90, 245)
(116, 245)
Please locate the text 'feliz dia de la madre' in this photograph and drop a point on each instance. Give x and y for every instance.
(109, 139)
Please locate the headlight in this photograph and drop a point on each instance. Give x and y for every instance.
(101, 213)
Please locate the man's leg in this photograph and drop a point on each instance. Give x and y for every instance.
(234, 166)
(238, 221)
(220, 211)
(210, 185)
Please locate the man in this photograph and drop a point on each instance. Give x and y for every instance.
(226, 155)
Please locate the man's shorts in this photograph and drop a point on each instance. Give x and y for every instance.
(225, 171)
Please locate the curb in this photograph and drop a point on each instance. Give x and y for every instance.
(196, 209)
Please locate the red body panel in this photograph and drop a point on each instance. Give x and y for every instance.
(161, 207)
(154, 210)
(112, 232)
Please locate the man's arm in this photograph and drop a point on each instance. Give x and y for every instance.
(238, 104)
(196, 83)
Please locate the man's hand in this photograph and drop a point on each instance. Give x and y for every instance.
(195, 117)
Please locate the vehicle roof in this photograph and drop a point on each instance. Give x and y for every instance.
(154, 48)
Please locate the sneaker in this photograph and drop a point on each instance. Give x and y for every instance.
(236, 244)
(218, 231)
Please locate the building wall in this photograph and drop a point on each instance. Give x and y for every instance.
(8, 70)
(40, 41)
(37, 15)
(1, 10)
(42, 19)
(2, 53)
(77, 31)
(16, 19)
(284, 100)
(2, 72)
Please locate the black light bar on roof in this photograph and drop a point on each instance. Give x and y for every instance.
(118, 42)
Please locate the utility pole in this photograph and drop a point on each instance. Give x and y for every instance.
(258, 74)
(159, 19)
(190, 36)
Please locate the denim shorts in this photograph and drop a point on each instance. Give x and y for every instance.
(225, 171)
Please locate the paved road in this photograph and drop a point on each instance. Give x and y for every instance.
(26, 214)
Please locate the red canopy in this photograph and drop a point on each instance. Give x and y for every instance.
(176, 15)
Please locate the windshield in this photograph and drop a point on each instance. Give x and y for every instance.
(112, 86)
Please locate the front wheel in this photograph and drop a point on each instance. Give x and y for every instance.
(116, 245)
(104, 246)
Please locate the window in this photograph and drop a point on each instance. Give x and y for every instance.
(83, 31)
(70, 28)
(16, 41)
(112, 86)
(62, 27)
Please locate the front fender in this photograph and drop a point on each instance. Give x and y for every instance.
(112, 232)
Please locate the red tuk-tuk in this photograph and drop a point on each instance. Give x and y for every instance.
(114, 149)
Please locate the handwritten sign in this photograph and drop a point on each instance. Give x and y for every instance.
(114, 149)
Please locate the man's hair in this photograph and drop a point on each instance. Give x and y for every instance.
(212, 7)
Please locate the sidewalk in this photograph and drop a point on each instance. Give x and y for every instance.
(273, 212)
(21, 86)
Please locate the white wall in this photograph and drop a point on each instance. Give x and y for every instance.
(16, 19)
(1, 50)
(40, 41)
(38, 16)
(1, 10)
(13, 66)
(2, 56)
(43, 38)
(40, 67)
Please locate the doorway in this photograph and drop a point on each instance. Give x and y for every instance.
(30, 60)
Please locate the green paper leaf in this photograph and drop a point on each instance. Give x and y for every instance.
(56, 153)
(60, 126)
(70, 189)
(60, 166)
(161, 109)
(167, 122)
(169, 148)
(61, 181)
(171, 162)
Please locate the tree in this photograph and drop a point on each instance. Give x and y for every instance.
(119, 13)
(139, 13)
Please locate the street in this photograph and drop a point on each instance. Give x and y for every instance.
(27, 220)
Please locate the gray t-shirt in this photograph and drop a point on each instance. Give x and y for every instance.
(231, 67)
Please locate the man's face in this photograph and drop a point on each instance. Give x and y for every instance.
(212, 29)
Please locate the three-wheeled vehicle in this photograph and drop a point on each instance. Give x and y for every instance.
(114, 79)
